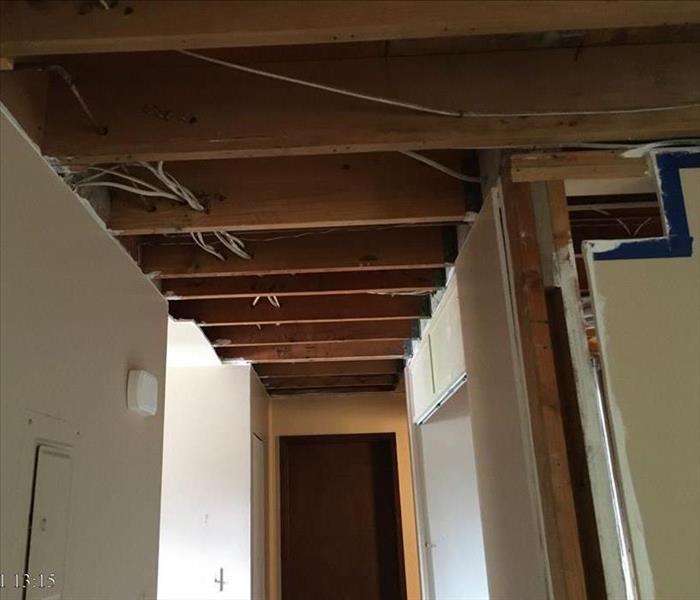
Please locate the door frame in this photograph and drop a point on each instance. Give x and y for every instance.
(289, 440)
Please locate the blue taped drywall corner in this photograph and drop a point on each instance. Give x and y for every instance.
(678, 242)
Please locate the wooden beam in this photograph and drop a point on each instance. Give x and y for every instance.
(305, 333)
(302, 309)
(589, 164)
(60, 27)
(381, 249)
(316, 352)
(329, 381)
(25, 94)
(299, 193)
(361, 367)
(549, 441)
(305, 284)
(335, 390)
(221, 113)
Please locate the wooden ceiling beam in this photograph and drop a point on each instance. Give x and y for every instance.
(299, 192)
(329, 381)
(316, 352)
(304, 284)
(335, 390)
(584, 164)
(358, 367)
(202, 111)
(378, 249)
(60, 27)
(302, 309)
(304, 333)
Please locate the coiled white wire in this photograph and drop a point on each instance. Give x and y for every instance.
(174, 191)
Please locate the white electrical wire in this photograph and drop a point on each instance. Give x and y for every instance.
(428, 109)
(198, 238)
(271, 299)
(174, 191)
(439, 166)
(232, 243)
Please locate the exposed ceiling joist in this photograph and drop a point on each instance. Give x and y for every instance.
(377, 350)
(304, 333)
(299, 193)
(340, 368)
(300, 309)
(59, 27)
(335, 390)
(584, 164)
(304, 284)
(348, 381)
(378, 249)
(222, 113)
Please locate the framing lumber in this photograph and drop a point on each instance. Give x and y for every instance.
(340, 368)
(336, 390)
(590, 164)
(305, 333)
(381, 249)
(303, 309)
(602, 520)
(305, 284)
(221, 113)
(316, 352)
(559, 511)
(66, 27)
(330, 381)
(298, 192)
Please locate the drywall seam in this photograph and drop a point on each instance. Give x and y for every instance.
(523, 405)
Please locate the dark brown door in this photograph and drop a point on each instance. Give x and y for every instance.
(341, 521)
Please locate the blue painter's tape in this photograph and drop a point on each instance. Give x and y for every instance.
(678, 242)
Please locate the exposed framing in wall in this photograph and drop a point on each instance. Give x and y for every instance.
(579, 497)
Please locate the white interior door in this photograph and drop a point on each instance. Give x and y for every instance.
(49, 524)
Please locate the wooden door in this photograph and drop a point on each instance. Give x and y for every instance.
(341, 519)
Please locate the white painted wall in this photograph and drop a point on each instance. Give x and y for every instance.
(188, 346)
(508, 494)
(452, 522)
(207, 522)
(76, 315)
(647, 312)
(206, 510)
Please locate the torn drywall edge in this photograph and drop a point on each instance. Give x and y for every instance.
(632, 513)
(85, 204)
(678, 242)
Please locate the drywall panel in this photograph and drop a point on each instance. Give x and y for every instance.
(260, 428)
(259, 509)
(647, 312)
(452, 527)
(446, 342)
(76, 314)
(206, 510)
(188, 346)
(515, 560)
(259, 407)
(319, 414)
(420, 376)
